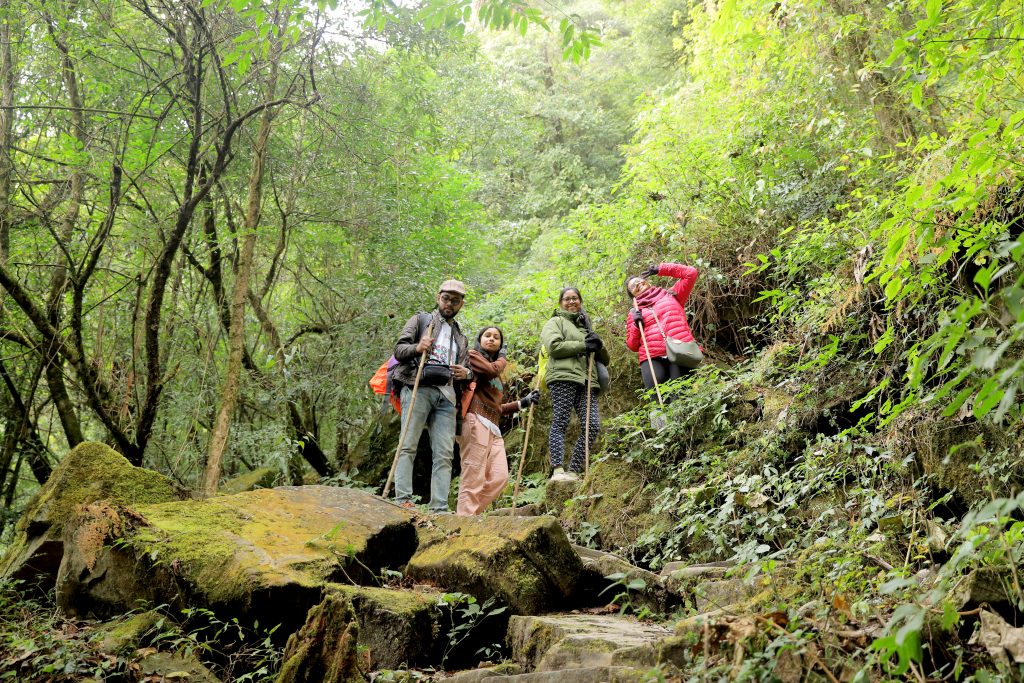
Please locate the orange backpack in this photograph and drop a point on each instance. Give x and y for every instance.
(381, 384)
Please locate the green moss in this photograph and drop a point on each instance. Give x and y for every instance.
(950, 451)
(324, 650)
(526, 562)
(228, 547)
(389, 599)
(90, 472)
(623, 512)
(506, 668)
(125, 634)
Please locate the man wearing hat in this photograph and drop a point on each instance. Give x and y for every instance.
(447, 362)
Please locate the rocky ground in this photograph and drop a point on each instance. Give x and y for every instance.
(324, 583)
(352, 584)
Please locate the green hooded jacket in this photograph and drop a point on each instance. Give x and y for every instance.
(562, 337)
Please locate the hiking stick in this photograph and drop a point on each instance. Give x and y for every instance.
(526, 442)
(650, 361)
(586, 430)
(412, 403)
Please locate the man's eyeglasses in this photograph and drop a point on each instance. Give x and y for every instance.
(570, 299)
(451, 298)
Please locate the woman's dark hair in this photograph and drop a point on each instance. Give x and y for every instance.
(480, 336)
(569, 289)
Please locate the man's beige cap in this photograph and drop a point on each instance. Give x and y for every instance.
(452, 286)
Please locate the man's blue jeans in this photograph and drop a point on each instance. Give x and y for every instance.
(437, 414)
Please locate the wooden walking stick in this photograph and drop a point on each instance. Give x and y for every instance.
(586, 429)
(526, 442)
(412, 403)
(650, 361)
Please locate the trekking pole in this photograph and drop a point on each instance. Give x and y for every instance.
(412, 403)
(586, 429)
(526, 442)
(650, 361)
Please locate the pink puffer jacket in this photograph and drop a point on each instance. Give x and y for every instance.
(669, 306)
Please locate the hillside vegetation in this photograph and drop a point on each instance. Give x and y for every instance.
(216, 216)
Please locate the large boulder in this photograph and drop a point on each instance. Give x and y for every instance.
(91, 472)
(526, 562)
(264, 554)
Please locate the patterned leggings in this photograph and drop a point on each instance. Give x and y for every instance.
(566, 397)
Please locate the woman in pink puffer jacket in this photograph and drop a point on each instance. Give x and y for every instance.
(668, 304)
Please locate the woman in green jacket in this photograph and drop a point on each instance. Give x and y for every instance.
(569, 344)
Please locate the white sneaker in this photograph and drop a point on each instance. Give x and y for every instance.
(561, 475)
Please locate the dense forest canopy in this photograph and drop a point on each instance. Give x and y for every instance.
(216, 215)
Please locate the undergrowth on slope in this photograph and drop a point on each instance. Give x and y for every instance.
(40, 645)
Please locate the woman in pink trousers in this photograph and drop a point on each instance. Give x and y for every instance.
(481, 446)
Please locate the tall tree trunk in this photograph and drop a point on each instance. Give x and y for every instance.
(59, 280)
(240, 290)
(6, 128)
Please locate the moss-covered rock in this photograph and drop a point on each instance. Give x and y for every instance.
(679, 577)
(621, 504)
(324, 650)
(259, 478)
(526, 562)
(557, 492)
(501, 671)
(720, 593)
(127, 633)
(90, 472)
(266, 554)
(398, 628)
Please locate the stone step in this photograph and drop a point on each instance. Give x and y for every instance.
(596, 674)
(557, 642)
(594, 589)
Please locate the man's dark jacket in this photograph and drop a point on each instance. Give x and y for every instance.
(405, 349)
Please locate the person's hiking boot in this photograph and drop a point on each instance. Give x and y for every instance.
(408, 505)
(561, 475)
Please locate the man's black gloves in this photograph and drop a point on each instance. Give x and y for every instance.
(653, 270)
(592, 343)
(638, 317)
(531, 399)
